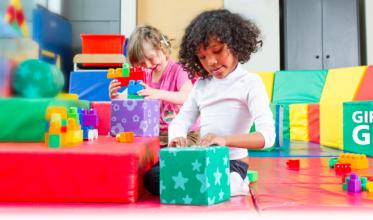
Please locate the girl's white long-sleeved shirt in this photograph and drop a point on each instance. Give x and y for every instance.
(227, 106)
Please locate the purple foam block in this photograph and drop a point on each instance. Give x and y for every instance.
(140, 116)
(354, 183)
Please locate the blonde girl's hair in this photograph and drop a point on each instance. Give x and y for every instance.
(148, 34)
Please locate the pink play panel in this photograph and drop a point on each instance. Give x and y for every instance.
(314, 186)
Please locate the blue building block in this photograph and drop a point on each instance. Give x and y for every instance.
(134, 87)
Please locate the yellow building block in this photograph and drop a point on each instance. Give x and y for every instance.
(268, 80)
(357, 161)
(56, 110)
(331, 129)
(342, 84)
(369, 187)
(114, 73)
(298, 121)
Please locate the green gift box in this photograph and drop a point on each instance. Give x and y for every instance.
(194, 176)
(358, 127)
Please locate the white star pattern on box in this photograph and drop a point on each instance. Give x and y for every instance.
(161, 186)
(196, 165)
(225, 160)
(202, 178)
(221, 194)
(162, 163)
(173, 150)
(227, 171)
(217, 176)
(180, 181)
(187, 199)
(211, 200)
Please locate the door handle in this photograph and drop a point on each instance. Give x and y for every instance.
(317, 56)
(327, 56)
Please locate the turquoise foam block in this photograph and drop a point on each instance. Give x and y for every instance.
(298, 149)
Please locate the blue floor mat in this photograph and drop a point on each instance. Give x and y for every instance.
(298, 149)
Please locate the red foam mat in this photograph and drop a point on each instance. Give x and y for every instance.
(99, 171)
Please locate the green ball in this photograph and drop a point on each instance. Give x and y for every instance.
(37, 79)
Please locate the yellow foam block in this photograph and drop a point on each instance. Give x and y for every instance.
(331, 130)
(268, 80)
(70, 96)
(298, 121)
(342, 84)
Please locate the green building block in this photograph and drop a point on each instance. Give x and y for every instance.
(194, 176)
(135, 97)
(73, 113)
(54, 141)
(125, 70)
(364, 182)
(252, 175)
(332, 162)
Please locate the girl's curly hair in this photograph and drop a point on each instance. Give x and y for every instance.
(240, 35)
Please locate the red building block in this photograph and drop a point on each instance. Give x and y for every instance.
(342, 168)
(136, 73)
(293, 164)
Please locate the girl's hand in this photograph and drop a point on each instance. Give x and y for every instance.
(149, 93)
(178, 142)
(211, 139)
(113, 89)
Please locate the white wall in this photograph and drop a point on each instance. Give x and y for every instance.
(266, 15)
(369, 30)
(128, 17)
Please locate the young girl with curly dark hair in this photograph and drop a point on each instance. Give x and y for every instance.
(227, 99)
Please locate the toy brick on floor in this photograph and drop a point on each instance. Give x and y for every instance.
(194, 176)
(125, 137)
(357, 161)
(137, 115)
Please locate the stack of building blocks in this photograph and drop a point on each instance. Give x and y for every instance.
(354, 183)
(89, 123)
(357, 161)
(125, 137)
(129, 76)
(63, 128)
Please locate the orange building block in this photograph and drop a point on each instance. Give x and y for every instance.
(125, 137)
(357, 161)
